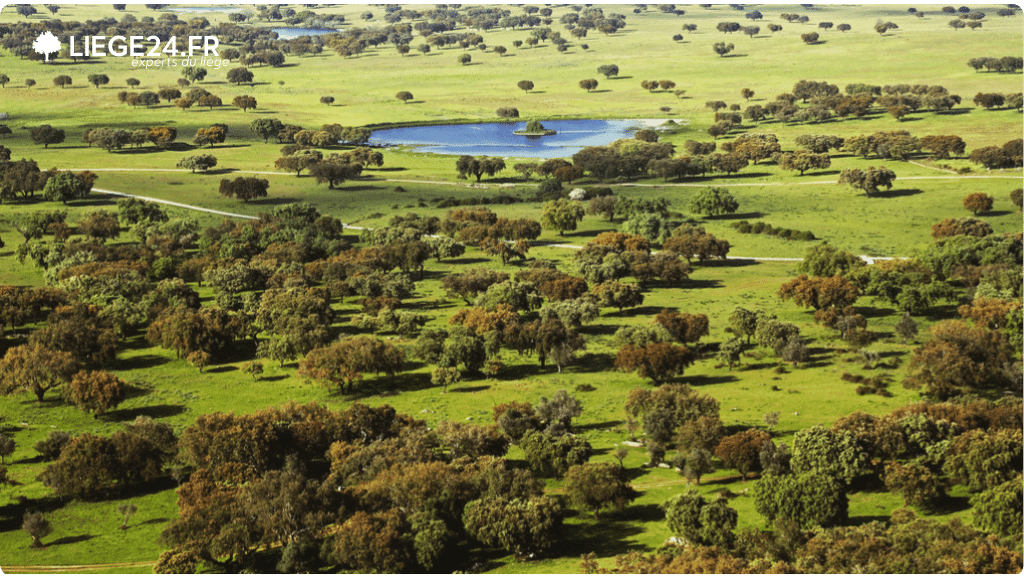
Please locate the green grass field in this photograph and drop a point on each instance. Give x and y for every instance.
(921, 51)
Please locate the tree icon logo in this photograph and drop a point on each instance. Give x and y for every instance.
(46, 44)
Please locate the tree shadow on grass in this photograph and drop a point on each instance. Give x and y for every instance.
(948, 505)
(819, 351)
(466, 261)
(137, 390)
(272, 201)
(60, 63)
(634, 312)
(591, 363)
(607, 537)
(744, 175)
(141, 362)
(157, 411)
(823, 173)
(141, 489)
(897, 193)
(861, 520)
(592, 233)
(598, 330)
(221, 369)
(937, 313)
(103, 200)
(705, 380)
(71, 540)
(698, 284)
(375, 387)
(730, 262)
(363, 188)
(869, 312)
(739, 216)
(470, 389)
(641, 513)
(600, 425)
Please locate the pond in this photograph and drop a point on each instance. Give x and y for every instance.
(497, 139)
(204, 8)
(289, 33)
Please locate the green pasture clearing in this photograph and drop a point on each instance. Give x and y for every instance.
(365, 86)
(896, 223)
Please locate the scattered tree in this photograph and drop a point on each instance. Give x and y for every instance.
(244, 102)
(596, 486)
(245, 188)
(713, 202)
(978, 202)
(36, 526)
(240, 75)
(868, 180)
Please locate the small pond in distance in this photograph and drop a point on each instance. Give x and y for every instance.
(205, 8)
(497, 139)
(289, 33)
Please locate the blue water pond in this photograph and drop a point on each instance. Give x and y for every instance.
(497, 139)
(289, 33)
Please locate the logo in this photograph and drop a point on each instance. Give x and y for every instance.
(46, 44)
(159, 54)
(134, 46)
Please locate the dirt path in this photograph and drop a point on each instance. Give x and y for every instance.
(931, 167)
(868, 259)
(72, 568)
(176, 204)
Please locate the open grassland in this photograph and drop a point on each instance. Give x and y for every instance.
(895, 223)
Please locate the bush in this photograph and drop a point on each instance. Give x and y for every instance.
(49, 448)
(549, 190)
(744, 227)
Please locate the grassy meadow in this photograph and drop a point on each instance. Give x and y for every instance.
(892, 224)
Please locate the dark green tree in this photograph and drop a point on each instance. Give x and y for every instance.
(701, 522)
(713, 202)
(595, 486)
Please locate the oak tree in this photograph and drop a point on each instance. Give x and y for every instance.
(595, 486)
(95, 391)
(978, 202)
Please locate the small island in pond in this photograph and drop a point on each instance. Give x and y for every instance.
(535, 128)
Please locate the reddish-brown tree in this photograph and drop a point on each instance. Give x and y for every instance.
(658, 361)
(96, 391)
(683, 327)
(978, 202)
(36, 369)
(818, 292)
(742, 451)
